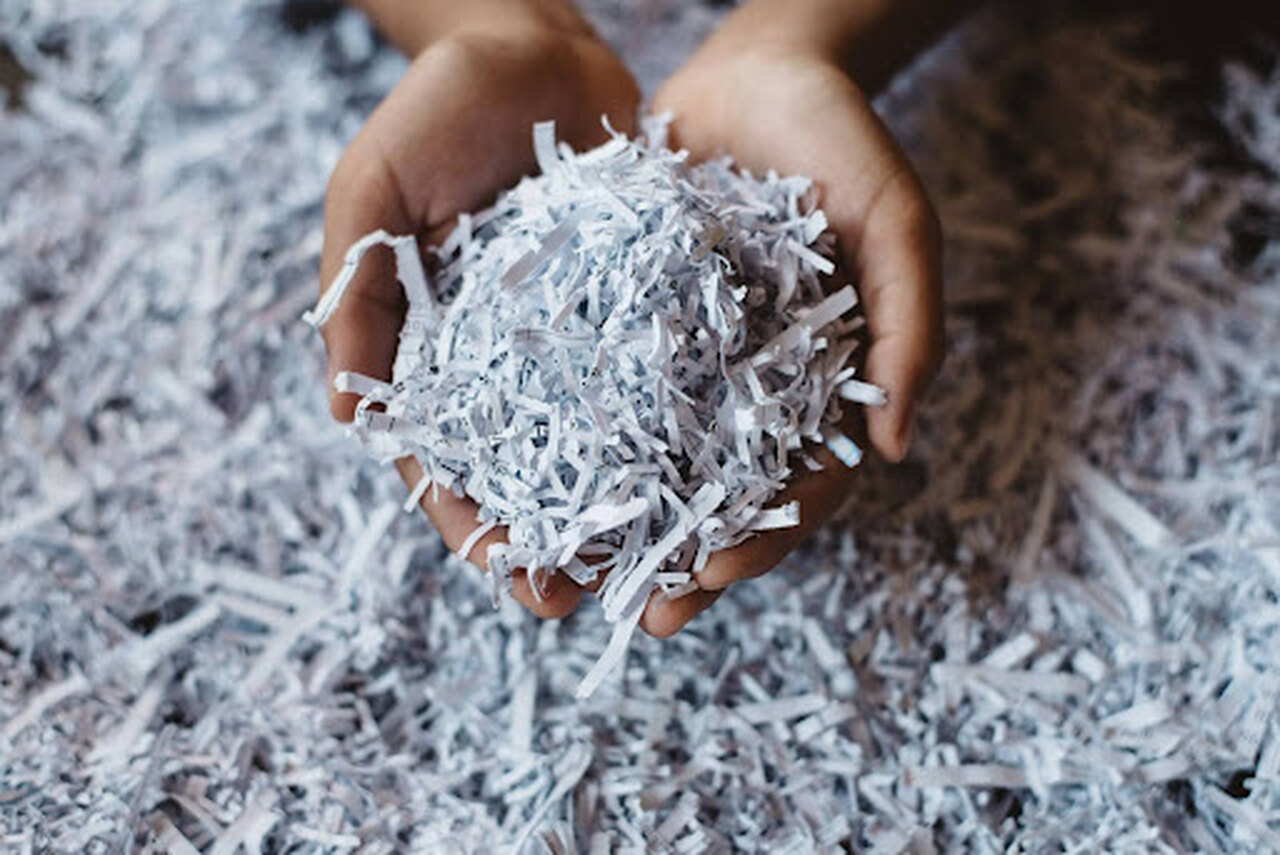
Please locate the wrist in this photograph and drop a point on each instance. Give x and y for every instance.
(868, 39)
(795, 28)
(414, 26)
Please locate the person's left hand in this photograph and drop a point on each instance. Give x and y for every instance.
(771, 107)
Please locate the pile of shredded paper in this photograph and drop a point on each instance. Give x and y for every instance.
(630, 357)
(1056, 627)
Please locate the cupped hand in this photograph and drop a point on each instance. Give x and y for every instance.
(454, 133)
(796, 112)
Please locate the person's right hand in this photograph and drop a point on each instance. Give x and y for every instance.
(452, 134)
(778, 106)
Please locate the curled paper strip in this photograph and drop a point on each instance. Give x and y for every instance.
(625, 355)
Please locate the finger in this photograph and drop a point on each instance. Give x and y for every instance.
(558, 597)
(898, 258)
(665, 617)
(362, 333)
(456, 518)
(819, 493)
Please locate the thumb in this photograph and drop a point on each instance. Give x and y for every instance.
(361, 334)
(899, 258)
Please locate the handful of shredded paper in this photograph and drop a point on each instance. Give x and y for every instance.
(621, 362)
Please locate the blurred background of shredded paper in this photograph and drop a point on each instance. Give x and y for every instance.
(1057, 623)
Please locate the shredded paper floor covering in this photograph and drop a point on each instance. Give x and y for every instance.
(1056, 627)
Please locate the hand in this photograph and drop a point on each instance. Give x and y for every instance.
(452, 134)
(775, 106)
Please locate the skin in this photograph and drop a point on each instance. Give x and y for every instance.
(773, 87)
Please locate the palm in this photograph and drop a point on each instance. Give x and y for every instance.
(801, 115)
(794, 116)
